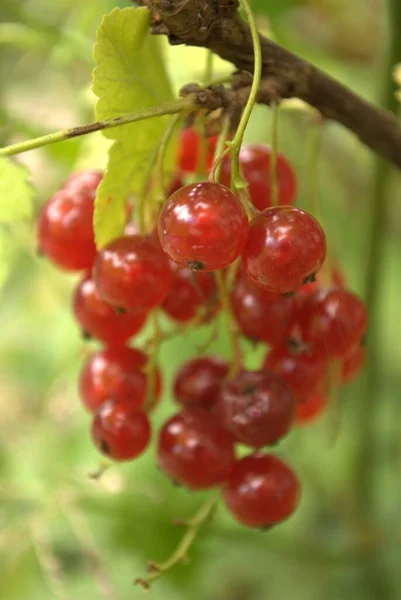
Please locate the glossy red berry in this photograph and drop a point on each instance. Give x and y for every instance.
(262, 490)
(260, 314)
(198, 381)
(120, 430)
(194, 450)
(311, 408)
(132, 272)
(100, 320)
(255, 163)
(286, 247)
(333, 321)
(256, 407)
(303, 371)
(189, 151)
(203, 226)
(117, 373)
(189, 292)
(84, 181)
(353, 363)
(329, 274)
(65, 231)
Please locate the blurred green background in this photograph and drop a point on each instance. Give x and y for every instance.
(63, 535)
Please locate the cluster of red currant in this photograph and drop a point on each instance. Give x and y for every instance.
(272, 296)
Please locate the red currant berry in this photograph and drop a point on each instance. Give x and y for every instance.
(198, 381)
(260, 314)
(255, 162)
(261, 491)
(353, 363)
(131, 228)
(256, 407)
(84, 181)
(189, 153)
(117, 373)
(311, 408)
(333, 321)
(100, 320)
(120, 430)
(286, 247)
(203, 226)
(331, 272)
(132, 272)
(194, 450)
(175, 185)
(65, 231)
(188, 292)
(302, 371)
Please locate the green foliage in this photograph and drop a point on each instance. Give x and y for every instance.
(15, 192)
(129, 75)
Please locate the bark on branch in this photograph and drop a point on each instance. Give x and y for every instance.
(215, 24)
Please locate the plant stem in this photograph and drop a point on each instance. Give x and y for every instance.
(370, 391)
(232, 323)
(235, 145)
(170, 108)
(180, 554)
(274, 146)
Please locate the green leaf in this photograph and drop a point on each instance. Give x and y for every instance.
(129, 75)
(16, 192)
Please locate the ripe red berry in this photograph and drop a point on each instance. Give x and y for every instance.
(260, 314)
(117, 373)
(132, 272)
(255, 162)
(256, 407)
(286, 247)
(353, 363)
(188, 292)
(194, 450)
(84, 181)
(100, 320)
(189, 152)
(303, 371)
(120, 430)
(203, 226)
(330, 274)
(333, 320)
(198, 381)
(262, 490)
(65, 231)
(311, 408)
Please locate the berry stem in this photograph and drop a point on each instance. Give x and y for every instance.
(274, 147)
(170, 108)
(235, 145)
(151, 366)
(161, 154)
(220, 152)
(180, 554)
(232, 324)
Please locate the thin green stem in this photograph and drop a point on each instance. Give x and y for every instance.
(170, 108)
(161, 154)
(235, 145)
(180, 554)
(208, 74)
(274, 149)
(232, 323)
(220, 152)
(151, 367)
(370, 393)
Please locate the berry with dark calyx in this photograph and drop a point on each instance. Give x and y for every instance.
(188, 292)
(194, 450)
(353, 363)
(87, 181)
(330, 271)
(203, 226)
(286, 246)
(260, 314)
(302, 371)
(256, 407)
(65, 230)
(132, 272)
(100, 320)
(120, 430)
(310, 409)
(117, 373)
(189, 151)
(255, 163)
(333, 320)
(198, 381)
(262, 490)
